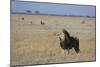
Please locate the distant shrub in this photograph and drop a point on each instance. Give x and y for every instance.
(22, 18)
(37, 12)
(28, 11)
(83, 22)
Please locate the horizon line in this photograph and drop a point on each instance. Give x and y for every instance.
(49, 14)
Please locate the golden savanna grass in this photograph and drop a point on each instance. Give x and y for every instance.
(33, 43)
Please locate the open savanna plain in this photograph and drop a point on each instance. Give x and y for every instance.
(36, 43)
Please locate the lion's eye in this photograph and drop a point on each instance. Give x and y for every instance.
(60, 33)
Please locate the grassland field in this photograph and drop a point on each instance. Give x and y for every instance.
(33, 43)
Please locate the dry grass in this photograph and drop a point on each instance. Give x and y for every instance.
(37, 44)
